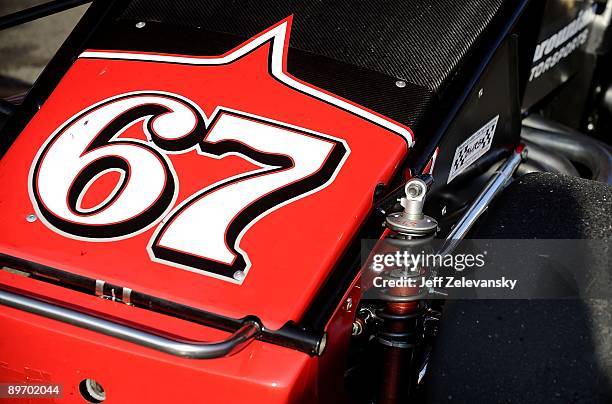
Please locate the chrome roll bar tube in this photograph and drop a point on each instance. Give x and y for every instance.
(249, 331)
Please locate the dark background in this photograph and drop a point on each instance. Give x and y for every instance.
(26, 49)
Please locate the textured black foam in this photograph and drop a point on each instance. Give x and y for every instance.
(535, 351)
(549, 206)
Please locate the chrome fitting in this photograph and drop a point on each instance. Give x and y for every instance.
(412, 222)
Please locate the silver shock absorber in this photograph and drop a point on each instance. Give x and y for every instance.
(411, 232)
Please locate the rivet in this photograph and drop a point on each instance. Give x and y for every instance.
(31, 218)
(400, 83)
(239, 275)
(480, 92)
(140, 24)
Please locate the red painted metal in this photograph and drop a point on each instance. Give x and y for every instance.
(36, 349)
(292, 249)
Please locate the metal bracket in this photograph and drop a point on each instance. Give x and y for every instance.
(126, 293)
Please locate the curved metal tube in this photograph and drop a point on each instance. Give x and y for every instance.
(549, 160)
(579, 148)
(193, 350)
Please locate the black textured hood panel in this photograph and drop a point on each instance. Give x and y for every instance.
(355, 49)
(420, 41)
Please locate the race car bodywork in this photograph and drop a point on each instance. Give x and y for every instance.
(187, 186)
(199, 145)
(148, 165)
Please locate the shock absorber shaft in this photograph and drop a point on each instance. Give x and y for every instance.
(403, 309)
(399, 336)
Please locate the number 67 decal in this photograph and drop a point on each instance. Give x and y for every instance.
(203, 232)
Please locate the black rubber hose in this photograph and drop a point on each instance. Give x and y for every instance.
(549, 160)
(580, 148)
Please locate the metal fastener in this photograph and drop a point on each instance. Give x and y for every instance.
(100, 288)
(357, 328)
(348, 305)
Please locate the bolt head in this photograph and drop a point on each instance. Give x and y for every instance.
(239, 275)
(414, 190)
(31, 218)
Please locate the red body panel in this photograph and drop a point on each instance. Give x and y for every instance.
(36, 349)
(39, 350)
(291, 249)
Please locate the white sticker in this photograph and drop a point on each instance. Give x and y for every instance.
(474, 147)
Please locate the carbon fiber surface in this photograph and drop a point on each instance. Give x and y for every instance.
(420, 41)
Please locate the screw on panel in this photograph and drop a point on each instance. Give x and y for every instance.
(239, 275)
(31, 218)
(140, 24)
(400, 83)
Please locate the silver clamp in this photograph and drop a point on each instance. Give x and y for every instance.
(126, 293)
(126, 296)
(100, 288)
